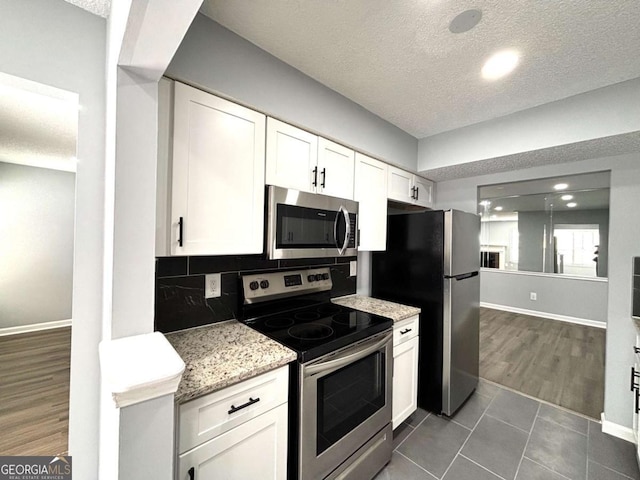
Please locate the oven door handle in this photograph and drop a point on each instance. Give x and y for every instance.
(347, 229)
(363, 350)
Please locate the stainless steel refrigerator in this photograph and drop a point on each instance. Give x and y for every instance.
(432, 262)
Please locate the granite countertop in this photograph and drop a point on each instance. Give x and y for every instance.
(222, 354)
(394, 311)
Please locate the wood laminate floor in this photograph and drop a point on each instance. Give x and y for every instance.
(34, 392)
(555, 361)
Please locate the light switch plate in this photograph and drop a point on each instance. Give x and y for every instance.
(212, 285)
(353, 268)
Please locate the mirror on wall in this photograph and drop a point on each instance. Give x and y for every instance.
(556, 225)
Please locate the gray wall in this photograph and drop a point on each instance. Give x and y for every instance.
(36, 265)
(58, 44)
(599, 113)
(216, 59)
(531, 229)
(556, 295)
(624, 231)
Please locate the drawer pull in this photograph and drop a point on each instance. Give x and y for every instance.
(402, 332)
(636, 349)
(192, 473)
(244, 405)
(634, 375)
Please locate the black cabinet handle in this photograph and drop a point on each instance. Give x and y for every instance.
(636, 349)
(192, 473)
(324, 177)
(180, 225)
(315, 177)
(413, 193)
(244, 405)
(417, 193)
(637, 400)
(405, 331)
(634, 375)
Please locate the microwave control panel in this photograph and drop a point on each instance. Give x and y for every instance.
(261, 287)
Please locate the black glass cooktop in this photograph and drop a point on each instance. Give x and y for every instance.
(321, 329)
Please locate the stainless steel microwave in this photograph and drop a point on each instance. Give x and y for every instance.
(308, 225)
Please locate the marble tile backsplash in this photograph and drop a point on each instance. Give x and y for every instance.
(180, 302)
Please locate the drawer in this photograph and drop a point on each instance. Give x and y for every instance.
(211, 415)
(405, 330)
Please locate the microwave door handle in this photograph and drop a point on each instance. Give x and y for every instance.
(347, 231)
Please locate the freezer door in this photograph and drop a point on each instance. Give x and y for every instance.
(461, 341)
(461, 242)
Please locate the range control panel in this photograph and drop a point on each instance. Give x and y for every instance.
(261, 287)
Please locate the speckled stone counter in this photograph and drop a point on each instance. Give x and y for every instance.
(394, 311)
(223, 354)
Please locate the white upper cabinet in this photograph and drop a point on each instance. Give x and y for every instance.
(292, 156)
(370, 188)
(399, 186)
(423, 192)
(303, 161)
(335, 169)
(407, 187)
(217, 198)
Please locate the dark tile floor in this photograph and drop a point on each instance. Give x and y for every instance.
(501, 434)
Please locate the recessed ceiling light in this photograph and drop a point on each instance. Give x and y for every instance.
(498, 209)
(465, 21)
(560, 186)
(500, 64)
(566, 197)
(572, 204)
(485, 203)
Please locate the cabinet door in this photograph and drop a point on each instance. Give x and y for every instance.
(399, 185)
(424, 191)
(335, 169)
(255, 449)
(370, 188)
(405, 381)
(292, 157)
(217, 176)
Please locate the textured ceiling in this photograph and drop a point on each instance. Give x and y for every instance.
(97, 7)
(400, 61)
(38, 124)
(573, 152)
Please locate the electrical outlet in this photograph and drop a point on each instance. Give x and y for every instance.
(353, 268)
(212, 285)
(533, 296)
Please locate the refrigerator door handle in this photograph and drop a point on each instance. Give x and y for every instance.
(464, 276)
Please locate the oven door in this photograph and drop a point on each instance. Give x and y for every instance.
(345, 400)
(307, 225)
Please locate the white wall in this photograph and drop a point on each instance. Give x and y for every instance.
(36, 265)
(604, 112)
(624, 231)
(216, 59)
(58, 44)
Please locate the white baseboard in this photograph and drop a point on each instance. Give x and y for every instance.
(551, 316)
(34, 328)
(615, 430)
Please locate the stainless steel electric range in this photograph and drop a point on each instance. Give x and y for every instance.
(340, 387)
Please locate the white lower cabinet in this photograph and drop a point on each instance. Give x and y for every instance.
(255, 449)
(405, 370)
(239, 432)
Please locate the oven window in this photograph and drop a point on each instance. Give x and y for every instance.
(301, 227)
(347, 397)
